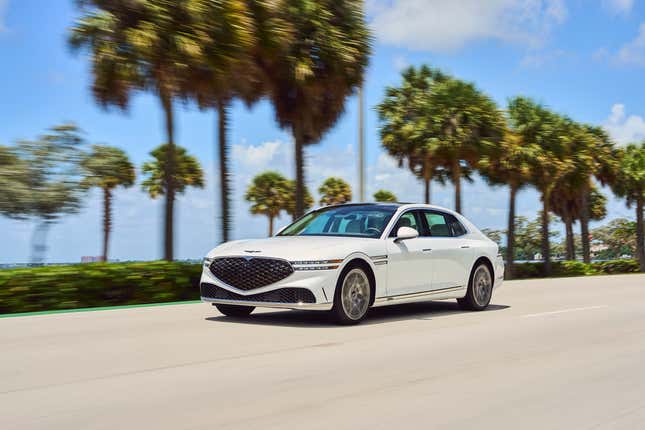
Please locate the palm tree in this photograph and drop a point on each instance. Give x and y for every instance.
(334, 191)
(385, 196)
(291, 203)
(507, 164)
(601, 163)
(565, 203)
(188, 172)
(463, 121)
(269, 194)
(630, 184)
(544, 134)
(107, 168)
(144, 46)
(222, 70)
(404, 124)
(310, 76)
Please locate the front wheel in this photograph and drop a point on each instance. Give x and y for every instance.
(234, 310)
(480, 289)
(352, 296)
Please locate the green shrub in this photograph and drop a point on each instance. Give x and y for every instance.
(96, 285)
(616, 266)
(528, 270)
(574, 268)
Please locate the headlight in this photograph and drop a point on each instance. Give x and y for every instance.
(316, 264)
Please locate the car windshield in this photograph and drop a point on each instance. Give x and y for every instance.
(351, 221)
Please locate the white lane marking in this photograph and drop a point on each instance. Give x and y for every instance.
(588, 308)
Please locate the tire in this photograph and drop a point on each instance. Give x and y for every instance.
(480, 289)
(352, 297)
(235, 311)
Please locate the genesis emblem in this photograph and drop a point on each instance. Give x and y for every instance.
(252, 251)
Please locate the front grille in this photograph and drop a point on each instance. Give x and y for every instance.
(251, 272)
(283, 295)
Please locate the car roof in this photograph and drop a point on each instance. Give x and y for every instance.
(398, 205)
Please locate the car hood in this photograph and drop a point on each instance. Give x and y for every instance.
(297, 248)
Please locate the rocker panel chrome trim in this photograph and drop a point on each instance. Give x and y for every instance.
(421, 295)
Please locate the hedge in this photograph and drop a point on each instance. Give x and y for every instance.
(96, 285)
(574, 268)
(99, 284)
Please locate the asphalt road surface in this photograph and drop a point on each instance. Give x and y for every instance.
(549, 354)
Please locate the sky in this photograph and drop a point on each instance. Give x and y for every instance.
(583, 58)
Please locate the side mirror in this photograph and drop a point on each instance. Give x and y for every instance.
(404, 233)
(280, 230)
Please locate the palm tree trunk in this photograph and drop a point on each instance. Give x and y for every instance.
(39, 241)
(640, 233)
(169, 179)
(546, 246)
(270, 225)
(510, 235)
(571, 252)
(224, 179)
(300, 172)
(107, 221)
(584, 225)
(456, 179)
(427, 179)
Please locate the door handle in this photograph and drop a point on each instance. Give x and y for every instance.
(427, 250)
(465, 246)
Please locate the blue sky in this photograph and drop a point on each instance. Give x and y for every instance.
(584, 58)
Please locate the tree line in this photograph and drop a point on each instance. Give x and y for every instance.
(444, 129)
(305, 56)
(46, 178)
(270, 194)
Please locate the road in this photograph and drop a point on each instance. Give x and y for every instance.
(549, 354)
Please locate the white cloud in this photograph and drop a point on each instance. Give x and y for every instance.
(618, 6)
(257, 155)
(623, 128)
(634, 51)
(400, 62)
(542, 58)
(446, 25)
(4, 6)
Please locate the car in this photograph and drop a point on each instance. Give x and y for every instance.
(348, 258)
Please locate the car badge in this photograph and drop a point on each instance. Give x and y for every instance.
(252, 251)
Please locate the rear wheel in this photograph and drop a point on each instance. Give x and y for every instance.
(352, 296)
(480, 289)
(234, 310)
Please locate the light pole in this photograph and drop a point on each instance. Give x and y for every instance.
(361, 145)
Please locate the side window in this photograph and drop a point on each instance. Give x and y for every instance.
(408, 219)
(457, 228)
(437, 224)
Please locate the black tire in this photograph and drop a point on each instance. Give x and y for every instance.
(235, 311)
(477, 299)
(339, 312)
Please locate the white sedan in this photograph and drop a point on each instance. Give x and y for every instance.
(348, 258)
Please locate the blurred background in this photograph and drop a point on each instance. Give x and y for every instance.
(141, 130)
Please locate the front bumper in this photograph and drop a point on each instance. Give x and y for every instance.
(321, 284)
(306, 306)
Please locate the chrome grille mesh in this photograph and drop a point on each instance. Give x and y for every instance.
(249, 273)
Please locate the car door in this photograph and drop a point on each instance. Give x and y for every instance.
(450, 249)
(409, 266)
